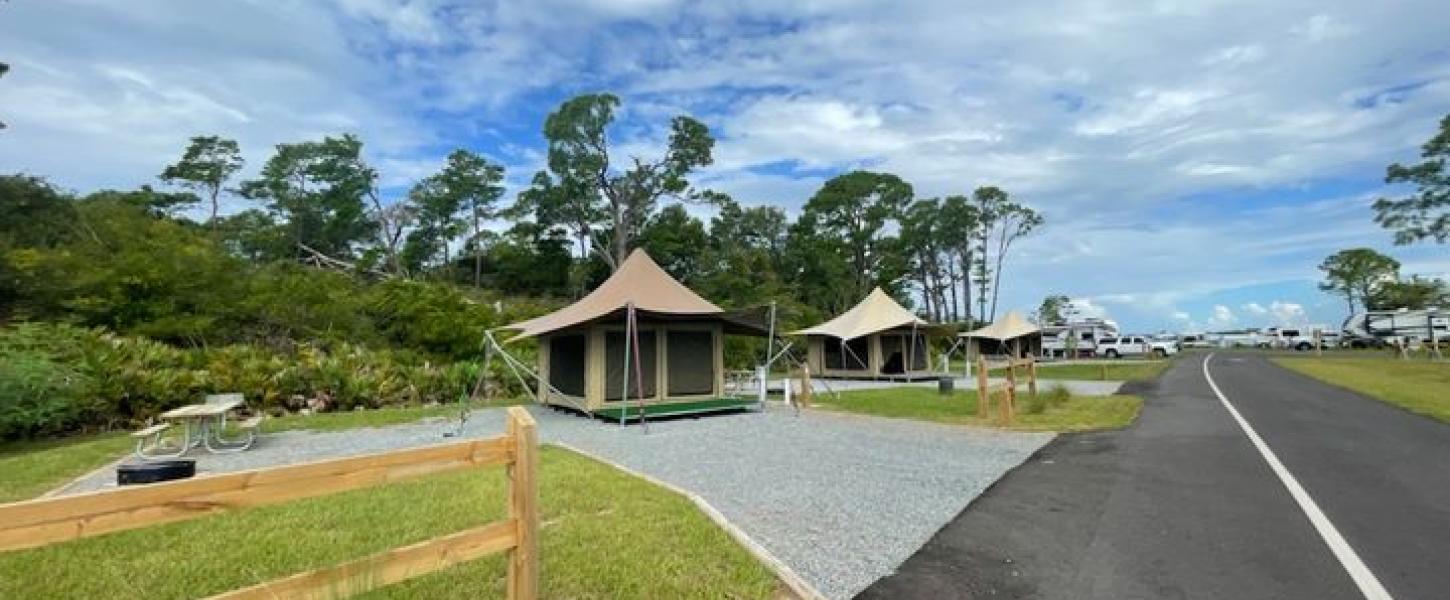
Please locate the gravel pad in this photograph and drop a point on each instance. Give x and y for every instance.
(841, 499)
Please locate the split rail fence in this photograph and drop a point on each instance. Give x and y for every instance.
(1006, 390)
(43, 522)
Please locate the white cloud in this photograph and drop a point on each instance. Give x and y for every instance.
(1087, 309)
(1222, 318)
(1321, 27)
(1287, 313)
(1256, 309)
(1155, 137)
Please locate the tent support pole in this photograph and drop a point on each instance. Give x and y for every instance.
(638, 366)
(911, 354)
(624, 393)
(765, 368)
(846, 348)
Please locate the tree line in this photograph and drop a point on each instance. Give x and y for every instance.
(320, 202)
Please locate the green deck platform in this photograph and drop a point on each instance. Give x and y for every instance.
(670, 409)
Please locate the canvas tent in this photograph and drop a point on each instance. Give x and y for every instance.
(1011, 335)
(877, 338)
(675, 346)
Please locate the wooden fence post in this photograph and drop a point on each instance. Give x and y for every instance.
(804, 399)
(1009, 401)
(984, 397)
(523, 571)
(1032, 377)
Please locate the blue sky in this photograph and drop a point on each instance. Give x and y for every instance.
(1194, 159)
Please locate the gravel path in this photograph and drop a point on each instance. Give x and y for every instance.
(841, 499)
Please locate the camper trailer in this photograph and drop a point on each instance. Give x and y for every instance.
(1076, 339)
(1376, 328)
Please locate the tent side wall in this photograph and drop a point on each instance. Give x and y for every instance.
(689, 383)
(827, 359)
(831, 357)
(1029, 345)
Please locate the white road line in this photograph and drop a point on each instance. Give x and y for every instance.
(1369, 585)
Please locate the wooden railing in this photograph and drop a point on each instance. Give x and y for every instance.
(1007, 390)
(42, 522)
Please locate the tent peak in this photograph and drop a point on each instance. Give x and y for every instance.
(878, 311)
(638, 281)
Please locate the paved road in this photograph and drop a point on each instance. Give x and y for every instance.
(1182, 505)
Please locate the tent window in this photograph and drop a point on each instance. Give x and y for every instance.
(893, 355)
(566, 364)
(691, 363)
(614, 365)
(832, 353)
(919, 354)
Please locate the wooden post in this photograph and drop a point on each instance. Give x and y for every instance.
(984, 397)
(523, 570)
(1318, 342)
(1032, 377)
(1434, 337)
(1102, 371)
(1009, 401)
(804, 399)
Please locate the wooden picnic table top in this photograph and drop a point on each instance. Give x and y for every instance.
(194, 411)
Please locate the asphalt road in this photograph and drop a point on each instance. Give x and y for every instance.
(1182, 505)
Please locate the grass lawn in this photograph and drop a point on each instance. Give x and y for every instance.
(33, 468)
(1075, 413)
(29, 469)
(1114, 371)
(381, 417)
(1416, 385)
(605, 535)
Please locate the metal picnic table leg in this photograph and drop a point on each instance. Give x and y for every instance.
(226, 446)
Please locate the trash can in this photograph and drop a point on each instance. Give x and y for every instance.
(944, 385)
(155, 471)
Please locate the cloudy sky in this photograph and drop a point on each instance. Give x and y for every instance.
(1194, 159)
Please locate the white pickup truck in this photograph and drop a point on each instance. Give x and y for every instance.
(1297, 339)
(1135, 345)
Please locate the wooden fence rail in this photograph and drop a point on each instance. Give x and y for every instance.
(42, 522)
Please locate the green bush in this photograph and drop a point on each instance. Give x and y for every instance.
(1052, 398)
(40, 396)
(59, 378)
(1058, 395)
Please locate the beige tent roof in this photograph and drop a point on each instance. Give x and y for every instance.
(1009, 327)
(640, 281)
(878, 312)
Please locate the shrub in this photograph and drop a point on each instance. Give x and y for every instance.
(1054, 397)
(59, 378)
(40, 396)
(1058, 396)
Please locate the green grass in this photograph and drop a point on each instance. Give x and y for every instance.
(1076, 413)
(33, 468)
(29, 469)
(1110, 371)
(605, 535)
(1418, 386)
(381, 417)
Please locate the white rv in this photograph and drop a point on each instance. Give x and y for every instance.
(1297, 338)
(1077, 339)
(1379, 327)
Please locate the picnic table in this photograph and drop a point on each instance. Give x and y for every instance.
(202, 425)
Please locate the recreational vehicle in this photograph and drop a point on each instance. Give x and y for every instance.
(1376, 328)
(1076, 339)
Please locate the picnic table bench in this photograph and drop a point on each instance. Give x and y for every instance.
(202, 425)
